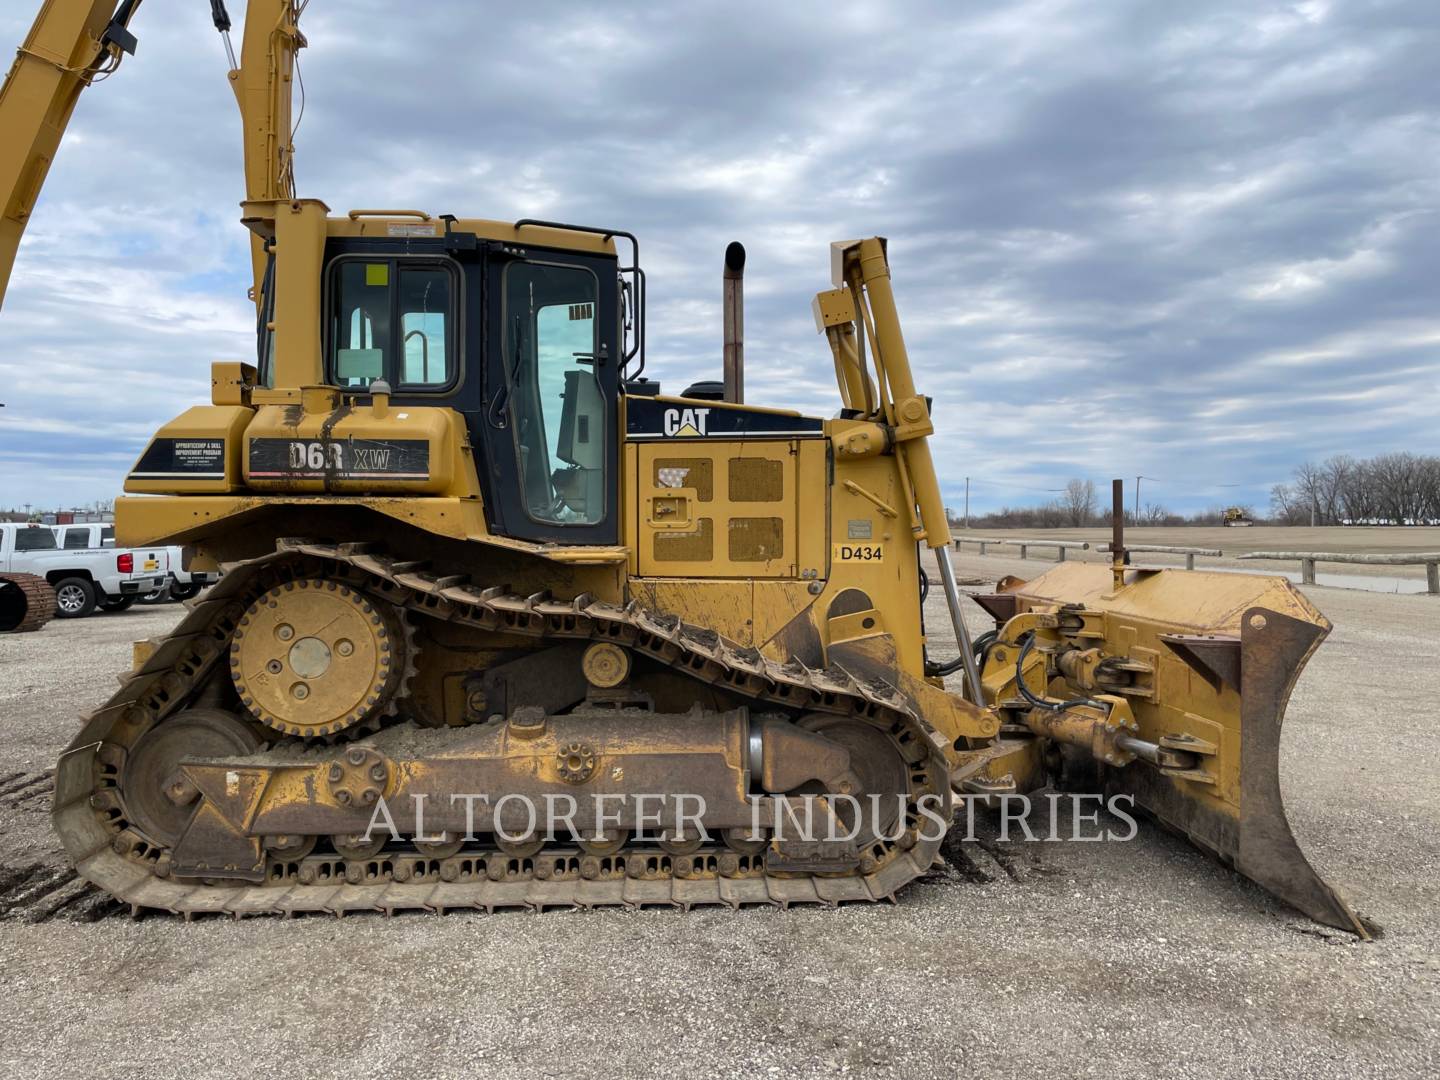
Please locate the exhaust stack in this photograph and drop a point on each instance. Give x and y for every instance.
(734, 318)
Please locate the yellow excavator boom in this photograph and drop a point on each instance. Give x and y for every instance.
(72, 44)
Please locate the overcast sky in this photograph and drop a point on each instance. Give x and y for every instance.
(1196, 242)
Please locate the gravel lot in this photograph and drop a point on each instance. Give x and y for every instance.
(1136, 959)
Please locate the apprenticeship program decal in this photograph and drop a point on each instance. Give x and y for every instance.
(181, 459)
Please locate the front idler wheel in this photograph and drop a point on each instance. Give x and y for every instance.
(159, 799)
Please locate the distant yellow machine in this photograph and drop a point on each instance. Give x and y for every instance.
(1237, 517)
(470, 550)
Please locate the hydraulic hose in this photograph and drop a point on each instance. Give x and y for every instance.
(1040, 702)
(949, 667)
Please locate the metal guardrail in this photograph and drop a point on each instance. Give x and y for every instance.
(1429, 559)
(1080, 545)
(1170, 549)
(1307, 559)
(1025, 545)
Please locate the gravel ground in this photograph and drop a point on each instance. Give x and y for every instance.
(1135, 959)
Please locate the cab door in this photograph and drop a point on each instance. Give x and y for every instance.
(551, 398)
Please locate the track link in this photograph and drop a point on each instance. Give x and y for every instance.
(105, 849)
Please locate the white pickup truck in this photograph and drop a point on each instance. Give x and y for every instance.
(187, 583)
(182, 584)
(83, 577)
(90, 536)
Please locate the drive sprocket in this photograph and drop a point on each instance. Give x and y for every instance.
(313, 657)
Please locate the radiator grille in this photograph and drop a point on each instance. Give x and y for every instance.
(697, 546)
(756, 539)
(756, 480)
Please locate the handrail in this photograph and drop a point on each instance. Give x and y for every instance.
(637, 276)
(356, 215)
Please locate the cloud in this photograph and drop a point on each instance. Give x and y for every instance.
(1192, 242)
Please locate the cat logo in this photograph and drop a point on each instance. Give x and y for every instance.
(686, 422)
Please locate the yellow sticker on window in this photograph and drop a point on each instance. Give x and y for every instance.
(858, 553)
(377, 273)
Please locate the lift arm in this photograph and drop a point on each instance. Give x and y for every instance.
(861, 308)
(71, 44)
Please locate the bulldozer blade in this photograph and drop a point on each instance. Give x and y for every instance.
(1274, 649)
(1221, 686)
(1259, 843)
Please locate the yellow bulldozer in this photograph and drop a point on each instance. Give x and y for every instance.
(503, 625)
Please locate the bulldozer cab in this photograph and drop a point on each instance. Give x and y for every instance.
(523, 343)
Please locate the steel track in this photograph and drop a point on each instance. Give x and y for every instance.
(89, 811)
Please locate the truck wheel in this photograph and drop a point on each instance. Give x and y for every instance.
(117, 603)
(74, 598)
(183, 592)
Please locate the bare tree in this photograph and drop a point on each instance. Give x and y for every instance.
(1287, 505)
(1078, 502)
(1396, 489)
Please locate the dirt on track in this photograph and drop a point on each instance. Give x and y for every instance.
(1016, 959)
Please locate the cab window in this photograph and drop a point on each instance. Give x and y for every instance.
(35, 538)
(77, 539)
(556, 405)
(392, 319)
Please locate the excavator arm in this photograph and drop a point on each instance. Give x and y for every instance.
(72, 44)
(262, 83)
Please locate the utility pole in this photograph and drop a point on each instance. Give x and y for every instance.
(1137, 496)
(967, 504)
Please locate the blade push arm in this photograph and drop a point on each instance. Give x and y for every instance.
(71, 44)
(861, 309)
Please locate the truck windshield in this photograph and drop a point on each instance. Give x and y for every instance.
(34, 538)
